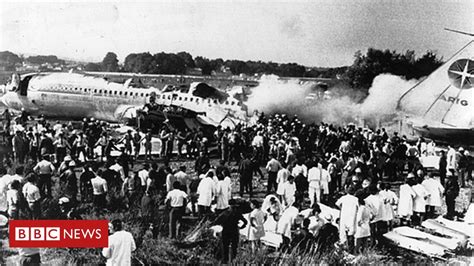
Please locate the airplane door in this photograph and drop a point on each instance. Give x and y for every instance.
(23, 87)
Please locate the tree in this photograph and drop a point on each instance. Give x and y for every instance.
(426, 64)
(110, 62)
(169, 64)
(8, 60)
(93, 67)
(237, 67)
(140, 63)
(188, 59)
(204, 64)
(366, 67)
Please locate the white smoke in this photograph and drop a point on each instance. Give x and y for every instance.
(383, 96)
(341, 105)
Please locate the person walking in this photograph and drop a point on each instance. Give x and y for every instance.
(436, 191)
(273, 166)
(176, 201)
(13, 200)
(99, 190)
(451, 193)
(121, 245)
(257, 219)
(206, 191)
(45, 170)
(407, 195)
(32, 196)
(348, 204)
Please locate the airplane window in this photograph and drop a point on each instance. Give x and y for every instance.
(238, 104)
(232, 103)
(141, 94)
(180, 98)
(95, 90)
(100, 91)
(120, 93)
(226, 103)
(169, 97)
(186, 98)
(125, 93)
(215, 101)
(115, 92)
(158, 96)
(191, 99)
(146, 95)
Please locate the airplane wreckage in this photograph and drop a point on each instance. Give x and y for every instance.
(76, 96)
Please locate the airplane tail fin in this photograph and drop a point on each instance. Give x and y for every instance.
(446, 96)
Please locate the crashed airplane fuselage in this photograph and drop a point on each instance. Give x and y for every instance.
(212, 106)
(75, 96)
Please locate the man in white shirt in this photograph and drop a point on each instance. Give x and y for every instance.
(143, 174)
(282, 177)
(375, 202)
(121, 245)
(5, 180)
(182, 177)
(436, 191)
(176, 200)
(348, 204)
(451, 158)
(32, 196)
(119, 169)
(286, 221)
(206, 191)
(45, 170)
(289, 192)
(223, 194)
(314, 184)
(273, 166)
(300, 173)
(99, 190)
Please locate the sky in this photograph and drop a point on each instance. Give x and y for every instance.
(324, 33)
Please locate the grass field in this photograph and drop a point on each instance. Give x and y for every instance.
(204, 250)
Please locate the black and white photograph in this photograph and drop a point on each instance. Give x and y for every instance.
(190, 132)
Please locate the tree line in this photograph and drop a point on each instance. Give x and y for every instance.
(179, 63)
(367, 66)
(9, 60)
(359, 75)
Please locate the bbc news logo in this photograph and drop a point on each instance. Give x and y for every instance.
(59, 233)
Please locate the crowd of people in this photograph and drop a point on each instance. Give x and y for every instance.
(305, 167)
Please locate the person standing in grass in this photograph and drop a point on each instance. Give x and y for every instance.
(176, 200)
(32, 196)
(229, 220)
(13, 200)
(348, 204)
(121, 245)
(362, 232)
(405, 204)
(257, 219)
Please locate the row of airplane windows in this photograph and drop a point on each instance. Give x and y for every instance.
(140, 94)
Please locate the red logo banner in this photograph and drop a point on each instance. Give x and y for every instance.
(59, 233)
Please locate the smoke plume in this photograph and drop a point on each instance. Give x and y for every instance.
(339, 105)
